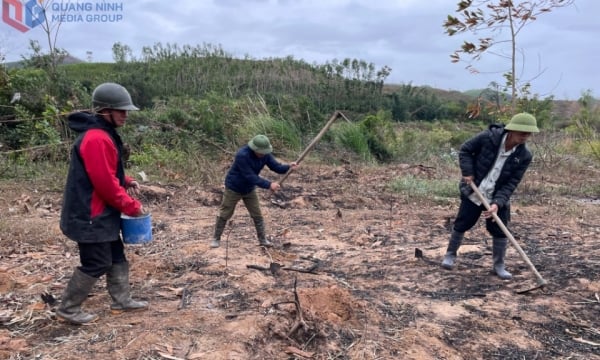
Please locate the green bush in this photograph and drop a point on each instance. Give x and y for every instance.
(282, 134)
(380, 135)
(419, 142)
(352, 137)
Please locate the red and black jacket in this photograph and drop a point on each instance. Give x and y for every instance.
(95, 194)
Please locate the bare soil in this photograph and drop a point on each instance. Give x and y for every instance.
(342, 281)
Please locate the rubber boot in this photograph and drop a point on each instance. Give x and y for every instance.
(259, 224)
(451, 252)
(219, 227)
(117, 282)
(498, 253)
(75, 294)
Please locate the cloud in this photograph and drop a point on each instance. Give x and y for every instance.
(559, 48)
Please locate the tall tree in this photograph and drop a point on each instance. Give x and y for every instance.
(121, 52)
(495, 17)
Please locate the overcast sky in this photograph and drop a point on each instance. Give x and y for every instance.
(561, 50)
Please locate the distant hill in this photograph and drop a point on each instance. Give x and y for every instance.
(562, 109)
(67, 60)
(565, 109)
(281, 70)
(449, 95)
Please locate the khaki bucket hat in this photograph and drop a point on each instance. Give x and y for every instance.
(523, 122)
(261, 144)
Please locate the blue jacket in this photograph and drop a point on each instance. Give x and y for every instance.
(478, 155)
(243, 177)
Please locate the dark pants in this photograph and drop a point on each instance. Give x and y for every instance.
(469, 213)
(230, 200)
(97, 258)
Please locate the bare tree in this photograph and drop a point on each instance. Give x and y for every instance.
(492, 17)
(40, 13)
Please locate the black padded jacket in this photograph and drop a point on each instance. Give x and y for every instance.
(478, 155)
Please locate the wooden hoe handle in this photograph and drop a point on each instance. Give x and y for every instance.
(514, 242)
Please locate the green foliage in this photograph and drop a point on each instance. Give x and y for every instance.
(351, 136)
(29, 128)
(199, 101)
(35, 165)
(299, 110)
(282, 134)
(422, 141)
(157, 157)
(171, 70)
(452, 110)
(380, 135)
(414, 103)
(587, 124)
(159, 162)
(217, 115)
(415, 188)
(4, 84)
(121, 53)
(32, 84)
(39, 60)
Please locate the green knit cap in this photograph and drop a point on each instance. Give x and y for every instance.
(523, 122)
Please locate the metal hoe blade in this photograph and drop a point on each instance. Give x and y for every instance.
(539, 279)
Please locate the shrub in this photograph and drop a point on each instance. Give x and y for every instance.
(380, 135)
(281, 133)
(351, 136)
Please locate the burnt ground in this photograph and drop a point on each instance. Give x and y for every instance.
(342, 282)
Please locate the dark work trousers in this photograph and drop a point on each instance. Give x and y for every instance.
(97, 258)
(230, 200)
(469, 213)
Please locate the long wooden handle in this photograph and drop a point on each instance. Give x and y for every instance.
(514, 242)
(313, 143)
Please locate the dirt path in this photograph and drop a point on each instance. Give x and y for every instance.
(342, 282)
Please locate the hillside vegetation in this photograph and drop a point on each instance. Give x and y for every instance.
(196, 99)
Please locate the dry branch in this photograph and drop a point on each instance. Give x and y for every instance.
(184, 299)
(295, 351)
(274, 268)
(299, 318)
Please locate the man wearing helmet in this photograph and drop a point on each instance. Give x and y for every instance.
(496, 160)
(241, 182)
(95, 196)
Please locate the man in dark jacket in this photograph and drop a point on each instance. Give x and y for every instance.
(95, 196)
(241, 182)
(496, 160)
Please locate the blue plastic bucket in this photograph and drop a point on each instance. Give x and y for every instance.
(136, 230)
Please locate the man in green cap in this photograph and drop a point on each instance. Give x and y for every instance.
(496, 160)
(241, 182)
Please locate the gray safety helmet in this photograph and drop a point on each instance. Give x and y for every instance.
(112, 96)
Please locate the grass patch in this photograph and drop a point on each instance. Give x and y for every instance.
(437, 190)
(49, 174)
(350, 136)
(283, 135)
(162, 164)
